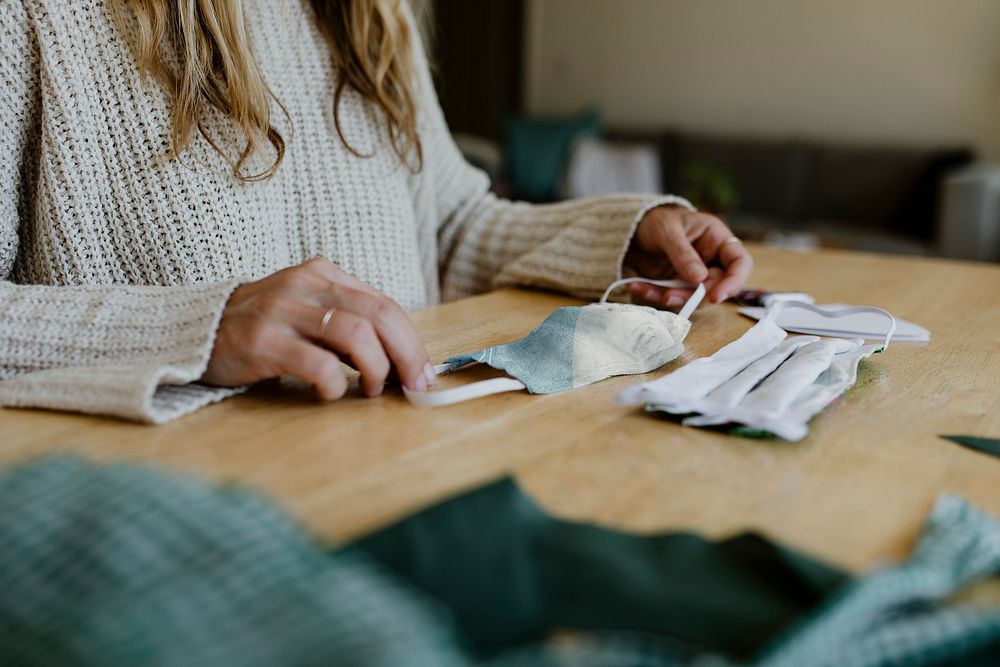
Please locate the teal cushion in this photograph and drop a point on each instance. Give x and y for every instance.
(537, 150)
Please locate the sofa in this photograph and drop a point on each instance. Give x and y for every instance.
(866, 197)
(871, 197)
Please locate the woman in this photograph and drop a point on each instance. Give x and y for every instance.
(200, 194)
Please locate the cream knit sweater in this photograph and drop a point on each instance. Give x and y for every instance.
(116, 262)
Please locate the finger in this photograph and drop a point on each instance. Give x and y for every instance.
(675, 298)
(393, 325)
(739, 265)
(659, 297)
(395, 330)
(682, 255)
(354, 337)
(715, 274)
(334, 274)
(312, 364)
(645, 294)
(649, 265)
(710, 242)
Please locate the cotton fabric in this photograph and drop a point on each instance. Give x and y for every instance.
(578, 345)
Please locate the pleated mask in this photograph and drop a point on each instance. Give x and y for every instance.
(576, 346)
(763, 381)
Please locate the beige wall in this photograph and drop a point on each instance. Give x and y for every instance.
(911, 71)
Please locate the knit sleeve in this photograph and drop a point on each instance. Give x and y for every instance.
(485, 242)
(125, 351)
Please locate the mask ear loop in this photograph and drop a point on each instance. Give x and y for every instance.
(685, 312)
(625, 281)
(467, 392)
(693, 302)
(772, 315)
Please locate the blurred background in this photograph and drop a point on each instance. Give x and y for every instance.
(866, 125)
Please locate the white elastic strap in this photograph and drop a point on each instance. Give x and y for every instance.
(466, 392)
(693, 302)
(774, 310)
(685, 312)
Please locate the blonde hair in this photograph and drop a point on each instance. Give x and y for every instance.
(200, 52)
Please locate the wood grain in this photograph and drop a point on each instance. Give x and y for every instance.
(854, 492)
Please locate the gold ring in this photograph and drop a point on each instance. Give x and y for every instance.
(732, 239)
(326, 321)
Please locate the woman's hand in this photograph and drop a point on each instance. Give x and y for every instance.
(277, 326)
(673, 242)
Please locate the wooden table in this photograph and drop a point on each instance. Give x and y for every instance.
(854, 492)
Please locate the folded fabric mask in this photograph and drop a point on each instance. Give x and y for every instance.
(762, 381)
(576, 346)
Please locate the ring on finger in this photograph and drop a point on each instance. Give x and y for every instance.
(325, 322)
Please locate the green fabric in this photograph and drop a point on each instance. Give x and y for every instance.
(985, 445)
(121, 566)
(904, 614)
(118, 565)
(537, 572)
(537, 150)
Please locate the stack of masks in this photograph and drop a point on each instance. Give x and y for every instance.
(763, 381)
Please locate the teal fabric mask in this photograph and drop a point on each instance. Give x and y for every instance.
(574, 346)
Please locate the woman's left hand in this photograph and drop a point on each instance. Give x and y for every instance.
(673, 242)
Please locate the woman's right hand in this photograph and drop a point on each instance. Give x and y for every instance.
(273, 327)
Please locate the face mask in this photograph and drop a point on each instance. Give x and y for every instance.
(576, 346)
(763, 381)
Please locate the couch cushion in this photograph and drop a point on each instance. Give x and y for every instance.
(537, 149)
(862, 184)
(892, 188)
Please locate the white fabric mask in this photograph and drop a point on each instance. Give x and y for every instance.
(762, 380)
(576, 346)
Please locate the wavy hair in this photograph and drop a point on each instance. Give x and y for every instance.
(200, 52)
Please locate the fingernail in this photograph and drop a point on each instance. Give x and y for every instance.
(695, 270)
(652, 294)
(674, 301)
(420, 384)
(429, 374)
(377, 391)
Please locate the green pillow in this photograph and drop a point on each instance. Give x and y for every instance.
(537, 150)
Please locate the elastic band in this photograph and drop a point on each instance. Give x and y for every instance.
(774, 310)
(689, 306)
(693, 302)
(467, 392)
(659, 283)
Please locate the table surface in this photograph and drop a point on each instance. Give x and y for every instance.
(854, 493)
